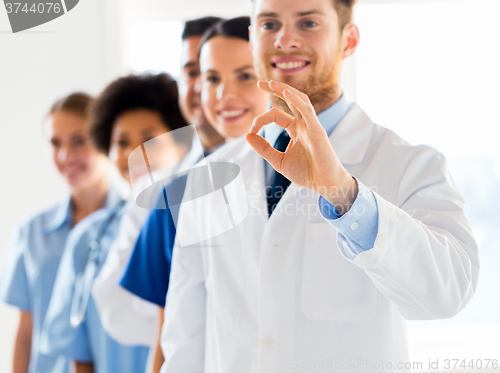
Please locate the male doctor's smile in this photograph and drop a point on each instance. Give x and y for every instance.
(302, 46)
(289, 65)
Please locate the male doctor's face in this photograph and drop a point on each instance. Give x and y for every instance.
(189, 82)
(298, 43)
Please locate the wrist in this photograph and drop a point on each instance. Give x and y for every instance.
(342, 195)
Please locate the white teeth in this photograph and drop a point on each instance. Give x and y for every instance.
(232, 113)
(290, 65)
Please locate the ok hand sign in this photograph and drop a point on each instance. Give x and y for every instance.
(309, 161)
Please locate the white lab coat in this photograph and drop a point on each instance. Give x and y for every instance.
(276, 294)
(126, 317)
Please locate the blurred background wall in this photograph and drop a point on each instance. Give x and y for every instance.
(427, 69)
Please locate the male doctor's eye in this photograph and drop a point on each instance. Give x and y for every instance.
(309, 24)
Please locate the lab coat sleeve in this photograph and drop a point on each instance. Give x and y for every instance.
(425, 259)
(14, 288)
(127, 318)
(183, 333)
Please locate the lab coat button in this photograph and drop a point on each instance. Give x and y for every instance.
(382, 240)
(354, 226)
(268, 342)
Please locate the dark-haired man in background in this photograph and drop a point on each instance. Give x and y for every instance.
(357, 232)
(188, 82)
(125, 314)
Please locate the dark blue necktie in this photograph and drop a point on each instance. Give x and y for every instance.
(280, 183)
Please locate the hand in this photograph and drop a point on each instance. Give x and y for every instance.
(309, 161)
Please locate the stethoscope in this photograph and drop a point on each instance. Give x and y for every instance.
(85, 278)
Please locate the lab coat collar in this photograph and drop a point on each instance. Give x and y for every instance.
(64, 211)
(331, 117)
(351, 137)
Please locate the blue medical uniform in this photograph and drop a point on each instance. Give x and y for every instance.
(29, 273)
(147, 274)
(88, 342)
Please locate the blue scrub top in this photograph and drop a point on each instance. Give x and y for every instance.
(148, 270)
(88, 342)
(29, 273)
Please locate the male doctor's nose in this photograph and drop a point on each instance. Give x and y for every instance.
(287, 39)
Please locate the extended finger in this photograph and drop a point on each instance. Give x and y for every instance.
(305, 109)
(294, 111)
(277, 116)
(279, 87)
(264, 86)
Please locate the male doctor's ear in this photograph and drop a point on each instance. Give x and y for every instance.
(350, 40)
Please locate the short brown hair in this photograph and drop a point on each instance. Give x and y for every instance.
(78, 103)
(344, 9)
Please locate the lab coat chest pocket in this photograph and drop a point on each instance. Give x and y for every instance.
(333, 289)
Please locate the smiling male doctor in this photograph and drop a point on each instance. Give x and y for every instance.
(384, 237)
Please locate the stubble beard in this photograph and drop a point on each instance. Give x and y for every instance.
(322, 88)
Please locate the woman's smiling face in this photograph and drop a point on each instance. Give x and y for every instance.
(230, 97)
(76, 159)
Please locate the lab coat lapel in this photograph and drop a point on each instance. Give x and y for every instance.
(351, 137)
